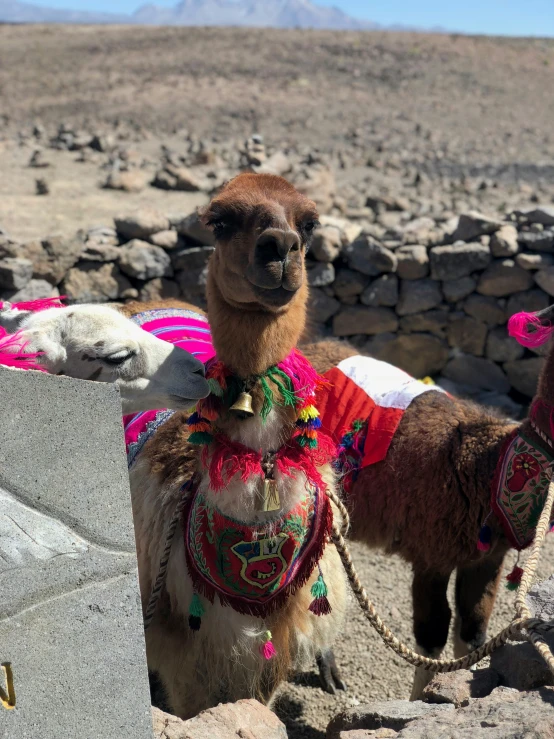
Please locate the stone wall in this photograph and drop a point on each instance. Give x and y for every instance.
(431, 295)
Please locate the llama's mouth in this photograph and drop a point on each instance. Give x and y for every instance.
(276, 297)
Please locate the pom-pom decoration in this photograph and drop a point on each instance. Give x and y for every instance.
(528, 330)
(513, 580)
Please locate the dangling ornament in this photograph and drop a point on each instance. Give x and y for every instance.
(196, 611)
(320, 605)
(514, 578)
(267, 650)
(243, 406)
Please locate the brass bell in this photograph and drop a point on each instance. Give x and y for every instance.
(243, 406)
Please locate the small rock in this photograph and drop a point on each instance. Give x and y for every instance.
(144, 261)
(179, 178)
(192, 259)
(141, 224)
(460, 686)
(537, 241)
(348, 283)
(277, 163)
(192, 228)
(422, 231)
(100, 252)
(361, 320)
(534, 261)
(521, 667)
(416, 297)
(501, 347)
(320, 274)
(545, 279)
(467, 334)
(103, 235)
(349, 231)
(37, 160)
(540, 599)
(454, 290)
(133, 180)
(382, 291)
(383, 714)
(504, 243)
(530, 301)
(318, 185)
(523, 374)
(433, 321)
(322, 307)
(41, 186)
(476, 372)
(413, 262)
(52, 257)
(245, 718)
(486, 309)
(159, 289)
(543, 214)
(15, 273)
(326, 243)
(165, 239)
(459, 260)
(92, 282)
(418, 354)
(503, 277)
(473, 224)
(33, 290)
(366, 255)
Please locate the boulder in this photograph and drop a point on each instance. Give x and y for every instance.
(419, 354)
(537, 240)
(454, 290)
(95, 252)
(486, 309)
(245, 718)
(503, 277)
(504, 243)
(320, 274)
(382, 291)
(460, 687)
(422, 231)
(476, 372)
(33, 290)
(191, 259)
(361, 320)
(52, 257)
(521, 667)
(530, 301)
(434, 321)
(473, 224)
(545, 279)
(348, 283)
(467, 334)
(191, 227)
(540, 599)
(523, 374)
(93, 282)
(458, 260)
(179, 178)
(144, 261)
(159, 289)
(531, 262)
(394, 715)
(543, 214)
(368, 256)
(501, 347)
(418, 296)
(322, 307)
(141, 224)
(413, 262)
(15, 273)
(326, 243)
(165, 239)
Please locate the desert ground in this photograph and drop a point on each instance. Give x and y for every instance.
(375, 106)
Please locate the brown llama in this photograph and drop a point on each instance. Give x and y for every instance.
(220, 633)
(430, 499)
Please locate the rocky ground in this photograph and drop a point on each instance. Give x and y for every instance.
(396, 135)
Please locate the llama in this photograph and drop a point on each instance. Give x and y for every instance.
(434, 498)
(97, 342)
(253, 589)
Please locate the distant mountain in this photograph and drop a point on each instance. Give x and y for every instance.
(12, 11)
(258, 13)
(272, 13)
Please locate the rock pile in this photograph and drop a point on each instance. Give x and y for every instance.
(427, 294)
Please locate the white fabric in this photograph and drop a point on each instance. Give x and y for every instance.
(385, 384)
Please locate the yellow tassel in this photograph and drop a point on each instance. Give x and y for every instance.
(308, 413)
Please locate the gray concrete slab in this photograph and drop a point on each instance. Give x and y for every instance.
(70, 616)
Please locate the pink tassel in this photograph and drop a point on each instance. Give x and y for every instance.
(528, 330)
(305, 380)
(12, 352)
(267, 649)
(38, 305)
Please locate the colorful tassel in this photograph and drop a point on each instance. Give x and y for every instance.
(485, 538)
(267, 649)
(201, 438)
(215, 387)
(514, 578)
(196, 611)
(528, 329)
(320, 605)
(36, 305)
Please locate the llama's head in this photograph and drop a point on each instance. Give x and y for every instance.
(262, 226)
(96, 342)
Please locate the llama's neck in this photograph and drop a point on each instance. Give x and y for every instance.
(250, 341)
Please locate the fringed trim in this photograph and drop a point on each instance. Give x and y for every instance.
(12, 352)
(36, 305)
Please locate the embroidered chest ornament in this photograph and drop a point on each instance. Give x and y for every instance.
(254, 568)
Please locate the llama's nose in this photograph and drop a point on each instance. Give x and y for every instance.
(277, 243)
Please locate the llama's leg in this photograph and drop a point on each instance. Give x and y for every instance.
(476, 589)
(329, 673)
(431, 621)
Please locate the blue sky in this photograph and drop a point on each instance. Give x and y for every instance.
(501, 17)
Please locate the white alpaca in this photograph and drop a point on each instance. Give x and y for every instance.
(97, 342)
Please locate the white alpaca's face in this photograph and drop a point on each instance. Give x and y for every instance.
(95, 342)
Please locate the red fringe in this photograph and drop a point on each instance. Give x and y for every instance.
(228, 458)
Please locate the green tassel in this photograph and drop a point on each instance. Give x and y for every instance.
(289, 397)
(215, 387)
(196, 608)
(319, 588)
(201, 438)
(304, 441)
(268, 399)
(512, 585)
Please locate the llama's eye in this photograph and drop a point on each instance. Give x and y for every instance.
(222, 228)
(118, 358)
